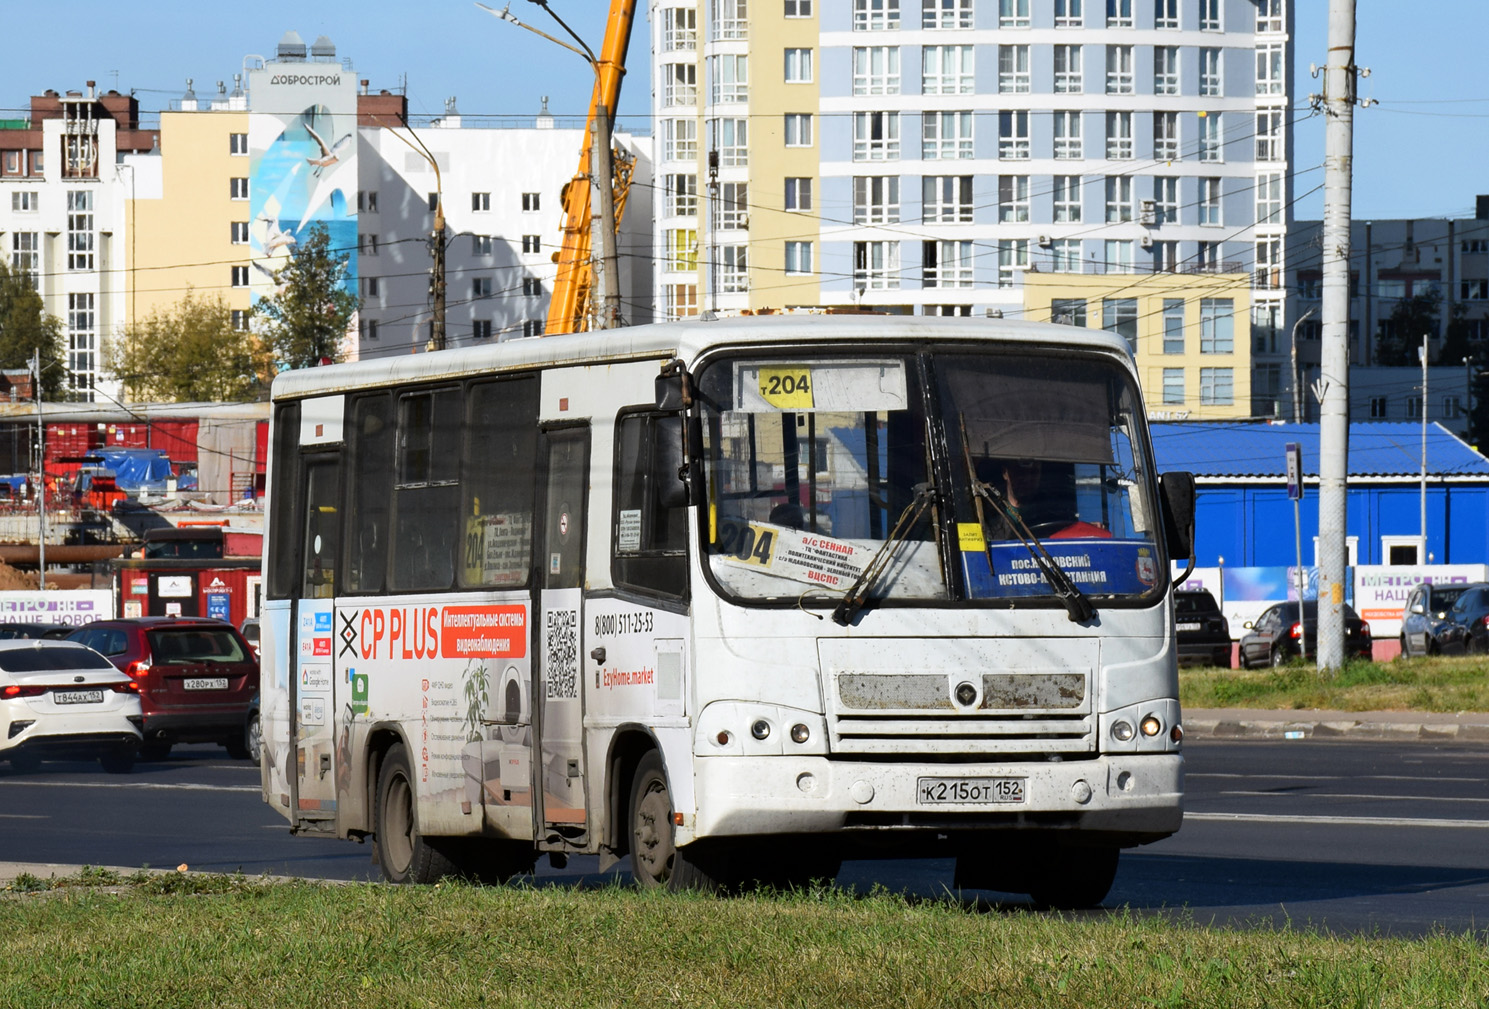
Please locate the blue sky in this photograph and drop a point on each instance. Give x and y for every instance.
(1419, 153)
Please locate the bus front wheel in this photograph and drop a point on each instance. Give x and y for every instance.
(1075, 877)
(656, 860)
(403, 854)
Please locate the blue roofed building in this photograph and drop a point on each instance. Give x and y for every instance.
(1245, 518)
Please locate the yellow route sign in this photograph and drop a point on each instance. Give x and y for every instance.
(787, 388)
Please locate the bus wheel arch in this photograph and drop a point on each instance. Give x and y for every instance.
(627, 748)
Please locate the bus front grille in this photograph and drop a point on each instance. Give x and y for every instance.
(965, 734)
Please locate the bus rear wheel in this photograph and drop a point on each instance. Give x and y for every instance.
(404, 854)
(656, 860)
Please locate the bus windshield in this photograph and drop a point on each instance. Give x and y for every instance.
(815, 464)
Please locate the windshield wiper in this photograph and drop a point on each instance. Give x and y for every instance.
(857, 595)
(1071, 597)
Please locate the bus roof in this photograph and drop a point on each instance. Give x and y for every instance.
(687, 340)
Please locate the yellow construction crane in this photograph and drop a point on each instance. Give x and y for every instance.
(570, 310)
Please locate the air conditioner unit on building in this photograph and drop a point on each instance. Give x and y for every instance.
(1146, 241)
(1044, 241)
(1147, 211)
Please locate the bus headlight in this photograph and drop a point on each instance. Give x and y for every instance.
(1121, 730)
(1151, 726)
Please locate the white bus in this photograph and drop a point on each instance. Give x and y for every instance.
(735, 599)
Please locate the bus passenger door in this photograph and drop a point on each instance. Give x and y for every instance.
(558, 774)
(314, 692)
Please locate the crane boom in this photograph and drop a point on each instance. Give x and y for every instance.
(568, 309)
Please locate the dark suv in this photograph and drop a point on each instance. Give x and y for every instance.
(196, 677)
(1203, 633)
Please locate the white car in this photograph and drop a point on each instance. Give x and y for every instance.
(62, 699)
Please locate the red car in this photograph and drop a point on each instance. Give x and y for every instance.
(196, 678)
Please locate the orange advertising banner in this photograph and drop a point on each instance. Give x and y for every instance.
(483, 632)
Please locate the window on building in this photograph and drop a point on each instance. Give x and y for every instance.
(798, 129)
(82, 341)
(876, 70)
(731, 211)
(1217, 325)
(367, 201)
(25, 255)
(238, 189)
(679, 140)
(370, 287)
(1216, 386)
(945, 14)
(481, 245)
(1209, 15)
(367, 244)
(1209, 72)
(1068, 311)
(946, 199)
(480, 287)
(1119, 136)
(1207, 256)
(1119, 316)
(947, 70)
(239, 276)
(1268, 16)
(679, 29)
(682, 195)
(24, 201)
(876, 265)
(1269, 69)
(1173, 386)
(876, 199)
(798, 194)
(238, 232)
(533, 327)
(731, 139)
(1165, 136)
(730, 19)
(733, 268)
(1268, 273)
(679, 301)
(1269, 198)
(1068, 77)
(682, 250)
(1065, 254)
(1118, 199)
(1165, 13)
(876, 136)
(1476, 245)
(946, 135)
(80, 234)
(1119, 78)
(798, 257)
(1013, 136)
(1209, 139)
(1068, 13)
(480, 329)
(1119, 256)
(480, 201)
(1165, 199)
(1067, 198)
(1269, 135)
(1119, 13)
(729, 77)
(1013, 70)
(237, 143)
(1378, 408)
(532, 243)
(946, 264)
(1068, 135)
(1013, 13)
(798, 66)
(1173, 325)
(238, 319)
(1473, 290)
(876, 15)
(1013, 199)
(1165, 70)
(679, 84)
(798, 8)
(532, 287)
(1013, 256)
(1165, 256)
(1209, 200)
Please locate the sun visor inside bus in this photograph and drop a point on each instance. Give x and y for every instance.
(1060, 418)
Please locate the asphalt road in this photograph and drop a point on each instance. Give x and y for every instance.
(1348, 836)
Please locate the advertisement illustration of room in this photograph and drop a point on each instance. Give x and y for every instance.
(456, 676)
(303, 166)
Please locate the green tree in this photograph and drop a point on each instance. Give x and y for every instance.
(189, 353)
(1455, 338)
(25, 328)
(307, 318)
(1401, 332)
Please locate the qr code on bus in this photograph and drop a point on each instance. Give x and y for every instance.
(561, 653)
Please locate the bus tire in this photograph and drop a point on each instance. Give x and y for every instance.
(1075, 877)
(403, 854)
(656, 860)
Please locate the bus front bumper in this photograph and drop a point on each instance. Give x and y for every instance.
(1136, 797)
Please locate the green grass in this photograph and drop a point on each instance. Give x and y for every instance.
(1459, 683)
(226, 941)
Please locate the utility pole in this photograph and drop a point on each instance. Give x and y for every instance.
(41, 475)
(604, 180)
(437, 273)
(1338, 103)
(1422, 550)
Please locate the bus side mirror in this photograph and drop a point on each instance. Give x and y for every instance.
(674, 388)
(1178, 513)
(668, 474)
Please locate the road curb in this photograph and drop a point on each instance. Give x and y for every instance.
(1404, 726)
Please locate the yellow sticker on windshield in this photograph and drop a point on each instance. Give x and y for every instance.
(787, 388)
(969, 537)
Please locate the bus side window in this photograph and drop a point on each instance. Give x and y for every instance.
(368, 505)
(649, 532)
(284, 526)
(426, 492)
(497, 481)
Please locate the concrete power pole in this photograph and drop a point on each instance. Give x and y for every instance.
(1333, 386)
